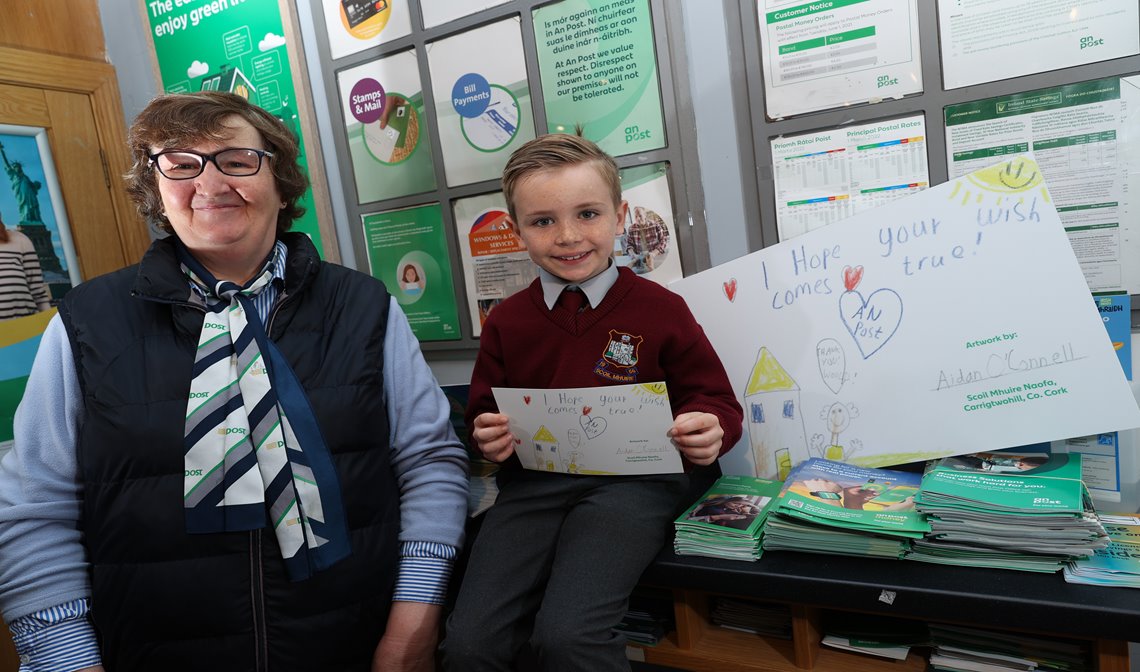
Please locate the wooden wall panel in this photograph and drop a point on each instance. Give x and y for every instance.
(86, 191)
(96, 82)
(62, 27)
(23, 106)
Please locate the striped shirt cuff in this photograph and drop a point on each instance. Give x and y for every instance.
(58, 638)
(425, 569)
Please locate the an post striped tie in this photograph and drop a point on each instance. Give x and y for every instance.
(247, 409)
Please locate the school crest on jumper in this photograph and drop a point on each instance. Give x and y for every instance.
(619, 359)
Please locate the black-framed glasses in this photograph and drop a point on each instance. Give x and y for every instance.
(184, 164)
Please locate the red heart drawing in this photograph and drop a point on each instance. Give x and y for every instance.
(730, 289)
(518, 442)
(852, 277)
(526, 399)
(586, 410)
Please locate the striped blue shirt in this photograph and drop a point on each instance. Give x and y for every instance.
(61, 637)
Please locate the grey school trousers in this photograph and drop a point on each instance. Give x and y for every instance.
(553, 567)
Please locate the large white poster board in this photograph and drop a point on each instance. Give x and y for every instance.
(950, 321)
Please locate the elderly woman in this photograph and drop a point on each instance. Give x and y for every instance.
(231, 456)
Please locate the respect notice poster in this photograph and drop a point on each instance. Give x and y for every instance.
(482, 100)
(648, 244)
(356, 25)
(388, 140)
(819, 55)
(1084, 142)
(828, 175)
(599, 71)
(495, 262)
(236, 46)
(407, 250)
(987, 41)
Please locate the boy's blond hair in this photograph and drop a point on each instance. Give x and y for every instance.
(558, 150)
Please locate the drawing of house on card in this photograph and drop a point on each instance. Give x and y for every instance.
(772, 409)
(546, 450)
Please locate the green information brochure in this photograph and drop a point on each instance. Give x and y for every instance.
(1025, 484)
(727, 521)
(407, 249)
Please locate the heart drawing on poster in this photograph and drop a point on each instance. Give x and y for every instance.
(730, 290)
(852, 277)
(526, 399)
(871, 321)
(593, 427)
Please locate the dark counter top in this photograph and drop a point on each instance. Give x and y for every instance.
(966, 595)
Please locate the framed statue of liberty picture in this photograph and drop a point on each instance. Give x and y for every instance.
(31, 204)
(37, 259)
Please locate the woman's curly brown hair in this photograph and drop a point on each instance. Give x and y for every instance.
(182, 120)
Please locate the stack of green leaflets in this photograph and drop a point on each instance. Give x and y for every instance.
(1026, 512)
(963, 649)
(842, 509)
(1118, 564)
(726, 522)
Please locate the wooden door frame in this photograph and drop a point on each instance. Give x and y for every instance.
(96, 81)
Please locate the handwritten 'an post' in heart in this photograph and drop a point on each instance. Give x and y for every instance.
(730, 290)
(593, 427)
(871, 321)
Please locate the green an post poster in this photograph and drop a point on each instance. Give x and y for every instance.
(599, 71)
(236, 46)
(407, 249)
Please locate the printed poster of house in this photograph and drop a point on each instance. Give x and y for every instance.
(231, 81)
(775, 422)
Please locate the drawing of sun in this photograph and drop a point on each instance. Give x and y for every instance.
(653, 388)
(1016, 176)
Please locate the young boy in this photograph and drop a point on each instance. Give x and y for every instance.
(558, 554)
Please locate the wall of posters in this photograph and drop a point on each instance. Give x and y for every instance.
(482, 100)
(355, 25)
(382, 104)
(1075, 133)
(407, 249)
(495, 262)
(819, 55)
(825, 176)
(930, 326)
(436, 12)
(239, 47)
(599, 71)
(649, 244)
(987, 41)
(31, 203)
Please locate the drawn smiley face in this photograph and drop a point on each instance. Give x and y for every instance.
(1011, 177)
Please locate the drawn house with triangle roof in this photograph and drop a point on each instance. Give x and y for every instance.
(546, 450)
(772, 410)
